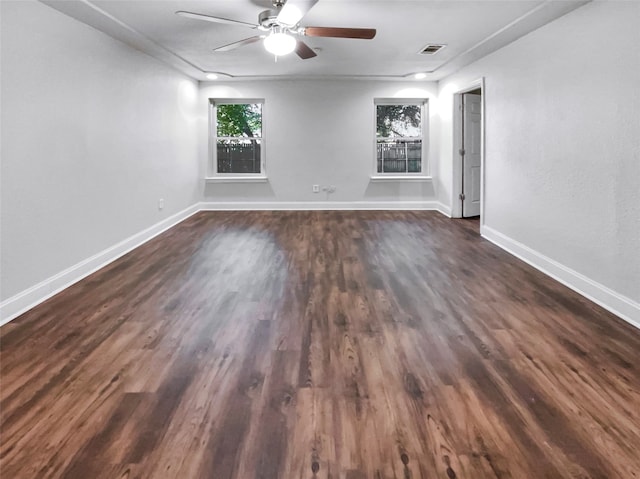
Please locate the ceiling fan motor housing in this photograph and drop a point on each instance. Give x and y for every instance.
(268, 19)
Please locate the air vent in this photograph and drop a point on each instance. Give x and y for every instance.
(431, 49)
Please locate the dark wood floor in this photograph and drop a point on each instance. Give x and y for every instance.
(343, 345)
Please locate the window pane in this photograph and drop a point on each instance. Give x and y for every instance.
(398, 121)
(399, 156)
(240, 120)
(238, 156)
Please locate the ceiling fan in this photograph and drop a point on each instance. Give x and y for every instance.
(280, 25)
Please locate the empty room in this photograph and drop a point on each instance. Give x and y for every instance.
(345, 239)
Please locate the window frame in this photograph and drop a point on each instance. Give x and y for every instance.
(424, 127)
(212, 166)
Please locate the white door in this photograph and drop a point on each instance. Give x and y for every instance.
(471, 144)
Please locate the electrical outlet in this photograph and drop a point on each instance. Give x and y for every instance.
(316, 188)
(161, 203)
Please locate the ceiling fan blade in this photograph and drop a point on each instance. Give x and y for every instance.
(304, 51)
(294, 10)
(241, 43)
(334, 32)
(209, 18)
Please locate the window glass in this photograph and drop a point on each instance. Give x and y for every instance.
(399, 138)
(238, 138)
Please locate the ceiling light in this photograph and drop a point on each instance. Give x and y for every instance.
(212, 76)
(420, 76)
(290, 15)
(279, 43)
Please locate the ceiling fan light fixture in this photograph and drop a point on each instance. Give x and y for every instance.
(290, 15)
(279, 44)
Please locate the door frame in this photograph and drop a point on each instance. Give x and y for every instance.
(456, 171)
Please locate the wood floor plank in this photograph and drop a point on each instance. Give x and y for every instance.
(342, 345)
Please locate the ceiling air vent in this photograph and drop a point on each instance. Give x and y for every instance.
(431, 49)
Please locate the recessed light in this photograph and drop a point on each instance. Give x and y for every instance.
(420, 76)
(212, 76)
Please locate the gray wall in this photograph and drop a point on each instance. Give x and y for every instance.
(318, 132)
(562, 142)
(93, 134)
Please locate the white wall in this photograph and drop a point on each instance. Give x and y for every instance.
(562, 142)
(318, 132)
(93, 134)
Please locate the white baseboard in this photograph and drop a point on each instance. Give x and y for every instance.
(320, 205)
(27, 299)
(31, 297)
(444, 209)
(620, 305)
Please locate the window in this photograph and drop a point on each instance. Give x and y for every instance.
(400, 145)
(236, 138)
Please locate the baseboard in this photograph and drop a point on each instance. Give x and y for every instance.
(620, 305)
(319, 205)
(444, 209)
(27, 299)
(31, 297)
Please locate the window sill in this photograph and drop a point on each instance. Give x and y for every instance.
(404, 179)
(236, 179)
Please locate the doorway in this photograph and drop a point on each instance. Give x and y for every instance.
(468, 152)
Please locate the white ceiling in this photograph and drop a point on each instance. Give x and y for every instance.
(470, 29)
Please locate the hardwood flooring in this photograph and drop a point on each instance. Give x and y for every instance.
(344, 345)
